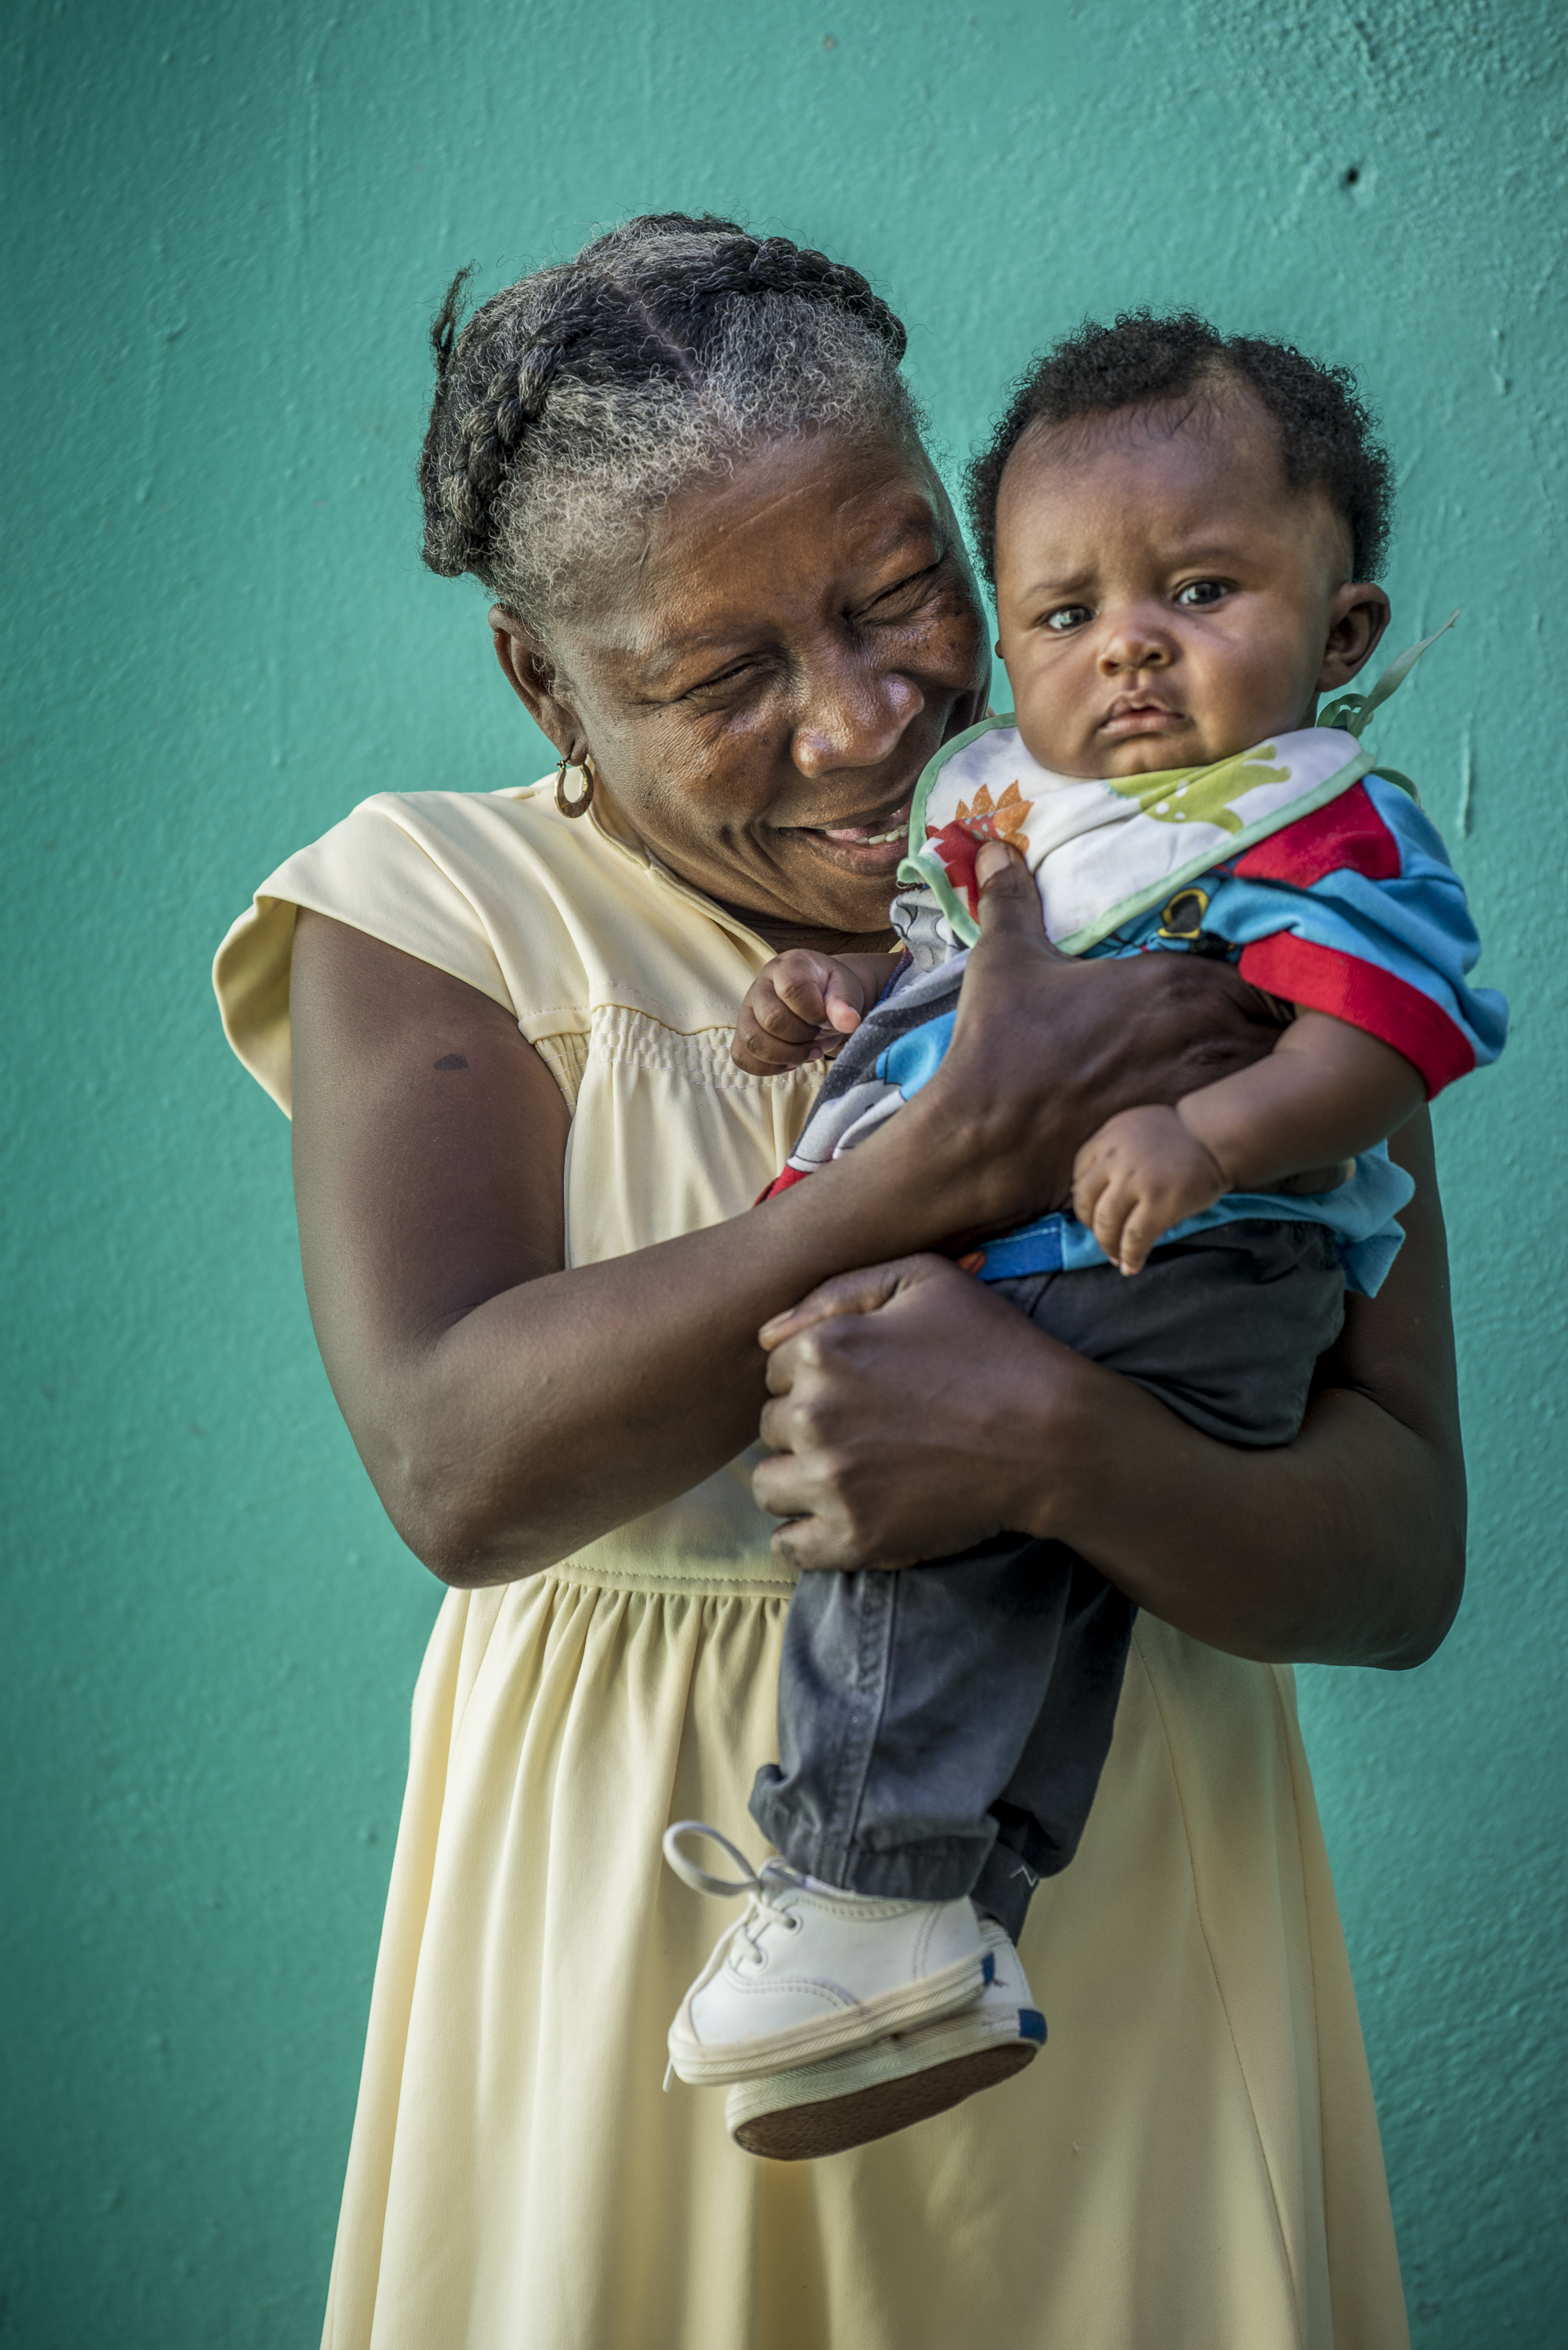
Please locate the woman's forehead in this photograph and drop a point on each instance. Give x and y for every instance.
(859, 490)
(779, 519)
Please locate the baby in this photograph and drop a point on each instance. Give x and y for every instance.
(1182, 532)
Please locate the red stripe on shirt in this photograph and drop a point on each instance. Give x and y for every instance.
(1347, 836)
(781, 1183)
(1320, 979)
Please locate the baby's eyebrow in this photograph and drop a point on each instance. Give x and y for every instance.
(1220, 551)
(1071, 583)
(1180, 555)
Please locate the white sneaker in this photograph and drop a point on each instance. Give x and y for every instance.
(865, 2093)
(811, 1972)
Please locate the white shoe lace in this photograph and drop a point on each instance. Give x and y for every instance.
(762, 1909)
(761, 1884)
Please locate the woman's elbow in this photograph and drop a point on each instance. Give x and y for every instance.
(455, 1522)
(1425, 1565)
(1432, 1607)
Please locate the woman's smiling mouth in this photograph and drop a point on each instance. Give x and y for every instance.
(873, 845)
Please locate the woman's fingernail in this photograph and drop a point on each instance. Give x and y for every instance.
(994, 858)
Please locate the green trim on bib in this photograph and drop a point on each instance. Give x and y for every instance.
(1190, 790)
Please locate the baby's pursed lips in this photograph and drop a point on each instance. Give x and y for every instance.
(1139, 706)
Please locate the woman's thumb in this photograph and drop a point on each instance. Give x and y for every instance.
(863, 1291)
(1009, 899)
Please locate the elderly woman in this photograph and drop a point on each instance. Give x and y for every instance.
(729, 588)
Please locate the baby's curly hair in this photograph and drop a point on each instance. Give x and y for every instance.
(1327, 434)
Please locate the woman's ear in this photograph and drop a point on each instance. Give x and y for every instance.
(530, 672)
(1357, 616)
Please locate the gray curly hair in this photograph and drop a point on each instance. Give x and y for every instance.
(575, 401)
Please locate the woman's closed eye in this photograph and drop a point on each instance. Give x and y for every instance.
(737, 674)
(905, 593)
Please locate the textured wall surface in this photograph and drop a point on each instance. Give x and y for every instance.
(226, 228)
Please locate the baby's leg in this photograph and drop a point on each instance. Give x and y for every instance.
(908, 1701)
(1225, 1327)
(1042, 1811)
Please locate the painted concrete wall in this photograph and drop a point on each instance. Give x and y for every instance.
(227, 226)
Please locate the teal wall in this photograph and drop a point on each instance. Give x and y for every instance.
(226, 228)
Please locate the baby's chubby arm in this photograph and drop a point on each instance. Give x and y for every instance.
(1325, 1092)
(801, 1005)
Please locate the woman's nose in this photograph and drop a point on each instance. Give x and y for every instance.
(852, 720)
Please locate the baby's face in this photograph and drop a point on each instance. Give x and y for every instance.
(1164, 598)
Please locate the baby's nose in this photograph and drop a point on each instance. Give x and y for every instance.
(1135, 642)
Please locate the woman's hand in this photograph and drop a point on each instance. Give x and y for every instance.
(913, 1414)
(893, 1416)
(1047, 1050)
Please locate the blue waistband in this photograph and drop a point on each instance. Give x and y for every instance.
(1360, 1214)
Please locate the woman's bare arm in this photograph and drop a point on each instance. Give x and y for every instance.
(1345, 1547)
(509, 1410)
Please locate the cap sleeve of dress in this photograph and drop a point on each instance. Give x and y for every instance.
(392, 869)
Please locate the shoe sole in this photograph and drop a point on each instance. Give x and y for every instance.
(869, 2020)
(803, 2133)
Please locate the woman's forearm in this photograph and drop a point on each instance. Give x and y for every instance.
(509, 1410)
(1343, 1548)
(502, 1433)
(571, 1403)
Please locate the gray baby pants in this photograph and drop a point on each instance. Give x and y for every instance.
(943, 1728)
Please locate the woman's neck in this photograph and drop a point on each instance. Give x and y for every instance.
(781, 935)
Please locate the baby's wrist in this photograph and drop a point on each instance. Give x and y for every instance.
(1219, 1149)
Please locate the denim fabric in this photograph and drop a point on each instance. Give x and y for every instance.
(943, 1728)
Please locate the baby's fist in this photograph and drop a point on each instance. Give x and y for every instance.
(1141, 1174)
(800, 1007)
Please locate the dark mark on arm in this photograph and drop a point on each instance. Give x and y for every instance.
(450, 1061)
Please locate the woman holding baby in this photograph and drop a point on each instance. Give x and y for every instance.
(731, 590)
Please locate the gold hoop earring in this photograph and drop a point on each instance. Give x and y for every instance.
(580, 805)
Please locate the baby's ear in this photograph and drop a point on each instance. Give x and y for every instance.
(1357, 616)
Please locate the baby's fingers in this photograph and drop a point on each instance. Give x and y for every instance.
(841, 1003)
(1140, 1232)
(766, 1040)
(1107, 1219)
(783, 1020)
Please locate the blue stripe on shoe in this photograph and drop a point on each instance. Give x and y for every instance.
(1031, 2025)
(988, 1969)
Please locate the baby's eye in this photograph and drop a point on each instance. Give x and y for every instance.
(1202, 591)
(1068, 616)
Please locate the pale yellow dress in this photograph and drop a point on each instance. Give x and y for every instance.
(1193, 2161)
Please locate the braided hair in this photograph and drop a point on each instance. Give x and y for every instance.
(575, 401)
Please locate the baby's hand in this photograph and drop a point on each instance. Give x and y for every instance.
(1141, 1174)
(800, 1007)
